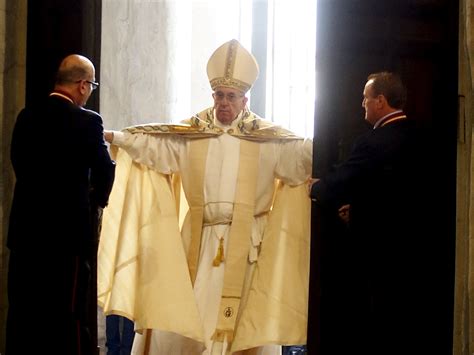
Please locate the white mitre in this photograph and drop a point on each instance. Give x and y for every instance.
(231, 65)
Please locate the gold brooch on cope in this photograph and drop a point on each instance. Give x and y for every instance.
(228, 312)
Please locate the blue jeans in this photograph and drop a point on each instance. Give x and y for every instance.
(119, 340)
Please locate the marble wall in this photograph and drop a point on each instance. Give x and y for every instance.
(154, 56)
(12, 99)
(140, 49)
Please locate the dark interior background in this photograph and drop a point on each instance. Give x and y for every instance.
(55, 29)
(419, 40)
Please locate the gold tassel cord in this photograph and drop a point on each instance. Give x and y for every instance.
(220, 253)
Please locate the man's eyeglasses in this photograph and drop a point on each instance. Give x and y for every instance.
(94, 84)
(231, 97)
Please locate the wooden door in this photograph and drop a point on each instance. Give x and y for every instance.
(419, 40)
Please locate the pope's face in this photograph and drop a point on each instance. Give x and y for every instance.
(228, 103)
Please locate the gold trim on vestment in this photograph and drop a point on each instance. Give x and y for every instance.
(240, 230)
(250, 127)
(237, 246)
(198, 158)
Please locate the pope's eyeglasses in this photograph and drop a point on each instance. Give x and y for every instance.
(231, 97)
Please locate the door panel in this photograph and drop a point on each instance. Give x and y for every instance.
(419, 40)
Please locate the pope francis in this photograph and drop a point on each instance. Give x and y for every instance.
(231, 276)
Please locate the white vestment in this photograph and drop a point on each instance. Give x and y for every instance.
(286, 160)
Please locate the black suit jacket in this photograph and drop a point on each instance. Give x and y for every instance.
(63, 171)
(384, 180)
(391, 243)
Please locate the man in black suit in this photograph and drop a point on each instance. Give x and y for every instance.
(385, 182)
(64, 175)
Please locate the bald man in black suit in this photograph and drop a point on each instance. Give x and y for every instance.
(64, 175)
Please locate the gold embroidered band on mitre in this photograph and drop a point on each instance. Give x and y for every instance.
(230, 82)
